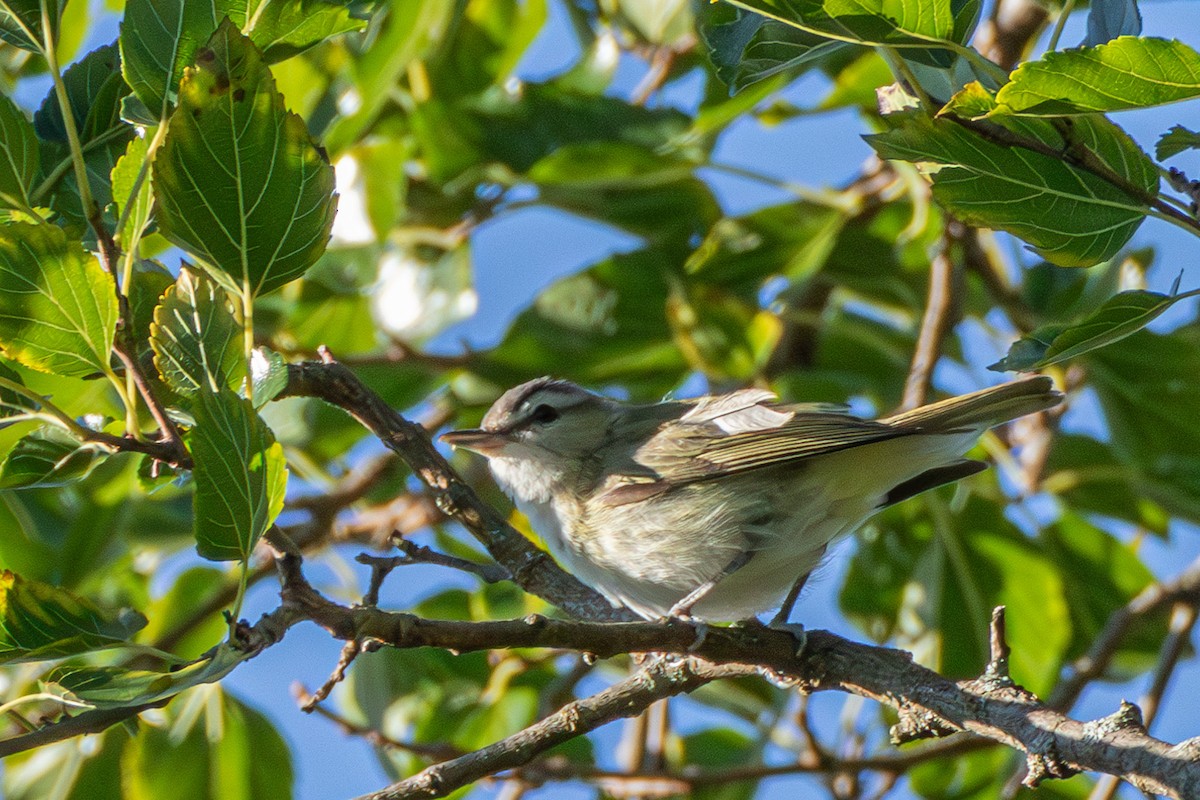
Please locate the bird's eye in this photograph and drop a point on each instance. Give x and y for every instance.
(543, 414)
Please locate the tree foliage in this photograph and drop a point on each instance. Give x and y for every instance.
(178, 330)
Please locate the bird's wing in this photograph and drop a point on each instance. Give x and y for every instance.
(737, 433)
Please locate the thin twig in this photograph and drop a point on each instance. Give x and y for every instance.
(350, 651)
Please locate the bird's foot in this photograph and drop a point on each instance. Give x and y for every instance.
(795, 629)
(680, 614)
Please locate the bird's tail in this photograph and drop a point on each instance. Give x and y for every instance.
(983, 409)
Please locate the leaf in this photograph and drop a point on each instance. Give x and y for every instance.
(21, 22)
(196, 340)
(239, 183)
(158, 39)
(872, 22)
(134, 207)
(182, 759)
(120, 687)
(285, 28)
(1108, 19)
(1175, 141)
(1122, 315)
(94, 90)
(60, 308)
(752, 48)
(269, 374)
(1072, 217)
(13, 404)
(1129, 72)
(20, 161)
(49, 457)
(1147, 385)
(1089, 477)
(39, 621)
(240, 475)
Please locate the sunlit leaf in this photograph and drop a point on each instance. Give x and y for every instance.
(240, 475)
(133, 206)
(39, 621)
(1073, 217)
(239, 183)
(875, 22)
(1129, 72)
(285, 28)
(752, 48)
(60, 308)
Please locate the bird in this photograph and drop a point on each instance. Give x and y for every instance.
(718, 508)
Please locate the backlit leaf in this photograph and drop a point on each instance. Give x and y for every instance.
(39, 621)
(239, 183)
(197, 342)
(60, 308)
(19, 157)
(240, 475)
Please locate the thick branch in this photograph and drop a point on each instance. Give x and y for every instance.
(993, 709)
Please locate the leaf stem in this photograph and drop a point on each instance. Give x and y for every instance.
(248, 335)
(64, 103)
(1067, 9)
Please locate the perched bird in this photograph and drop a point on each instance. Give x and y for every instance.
(718, 507)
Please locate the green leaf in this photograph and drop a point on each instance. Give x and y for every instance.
(239, 183)
(930, 578)
(197, 341)
(21, 22)
(1089, 477)
(285, 28)
(269, 374)
(1175, 141)
(49, 457)
(182, 759)
(1122, 315)
(1147, 385)
(240, 475)
(1129, 72)
(752, 48)
(135, 207)
(13, 404)
(39, 621)
(60, 308)
(20, 161)
(158, 39)
(119, 687)
(873, 22)
(1073, 217)
(94, 91)
(66, 771)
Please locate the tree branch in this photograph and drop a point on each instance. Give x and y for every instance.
(532, 569)
(937, 321)
(929, 704)
(661, 678)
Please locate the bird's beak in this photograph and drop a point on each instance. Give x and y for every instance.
(476, 440)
